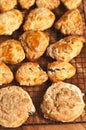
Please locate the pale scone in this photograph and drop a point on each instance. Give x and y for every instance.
(71, 4)
(39, 19)
(15, 106)
(63, 102)
(58, 71)
(6, 75)
(26, 4)
(11, 51)
(66, 49)
(50, 4)
(34, 44)
(6, 5)
(70, 23)
(30, 74)
(10, 21)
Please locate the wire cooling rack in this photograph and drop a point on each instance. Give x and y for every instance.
(79, 79)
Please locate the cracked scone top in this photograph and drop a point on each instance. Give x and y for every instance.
(63, 102)
(15, 106)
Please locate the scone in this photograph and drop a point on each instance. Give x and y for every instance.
(6, 75)
(6, 5)
(58, 71)
(50, 4)
(26, 4)
(15, 106)
(39, 19)
(71, 4)
(10, 21)
(30, 74)
(63, 102)
(11, 51)
(66, 49)
(34, 44)
(70, 23)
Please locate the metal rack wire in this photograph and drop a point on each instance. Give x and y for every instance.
(79, 79)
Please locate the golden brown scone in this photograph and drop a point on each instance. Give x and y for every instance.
(50, 4)
(39, 19)
(30, 74)
(58, 71)
(26, 4)
(66, 49)
(6, 75)
(71, 4)
(10, 21)
(6, 5)
(63, 102)
(70, 23)
(15, 106)
(34, 44)
(11, 51)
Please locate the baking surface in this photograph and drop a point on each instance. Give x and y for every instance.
(37, 92)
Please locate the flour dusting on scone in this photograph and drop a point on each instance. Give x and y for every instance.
(31, 74)
(66, 49)
(63, 102)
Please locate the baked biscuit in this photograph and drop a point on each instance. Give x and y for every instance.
(58, 71)
(63, 102)
(15, 106)
(6, 5)
(34, 44)
(11, 51)
(30, 74)
(71, 4)
(26, 4)
(6, 75)
(66, 49)
(10, 21)
(70, 23)
(50, 4)
(39, 19)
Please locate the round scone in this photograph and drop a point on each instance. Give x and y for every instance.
(15, 106)
(26, 4)
(34, 44)
(11, 51)
(58, 71)
(63, 102)
(66, 49)
(10, 21)
(39, 19)
(30, 74)
(6, 5)
(6, 75)
(71, 23)
(50, 4)
(71, 4)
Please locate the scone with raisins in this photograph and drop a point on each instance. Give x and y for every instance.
(30, 74)
(66, 49)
